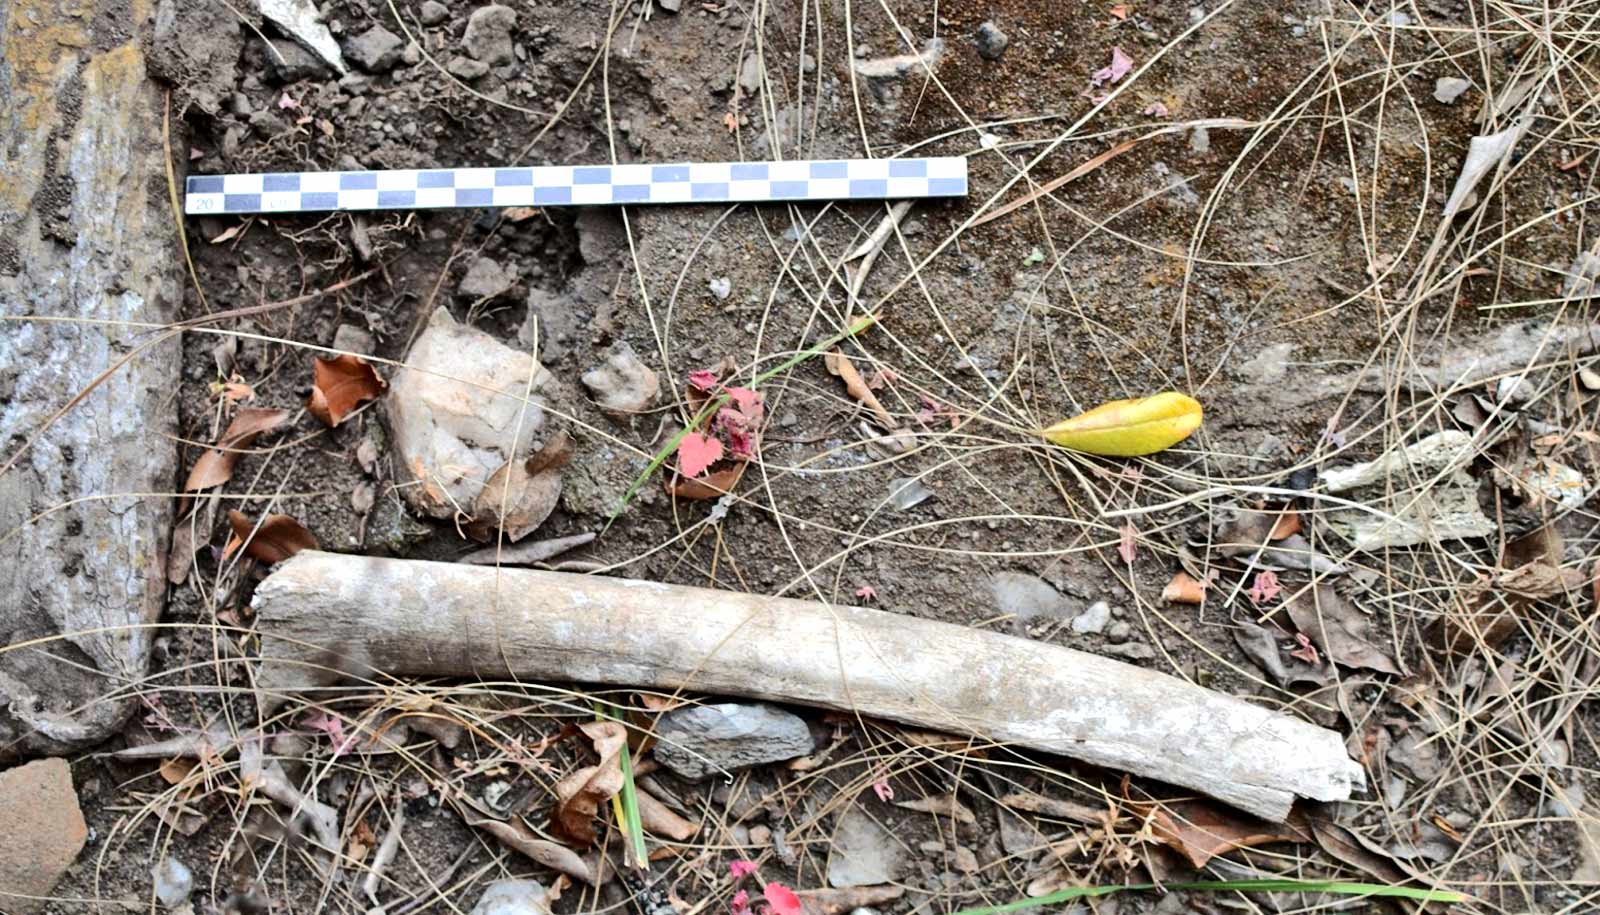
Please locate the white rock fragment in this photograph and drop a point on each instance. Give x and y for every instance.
(513, 897)
(299, 20)
(1445, 508)
(454, 409)
(623, 386)
(1483, 154)
(901, 64)
(1446, 89)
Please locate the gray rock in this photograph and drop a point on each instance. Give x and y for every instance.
(174, 882)
(466, 68)
(1200, 141)
(1093, 619)
(433, 12)
(412, 55)
(512, 897)
(750, 75)
(353, 339)
(1131, 651)
(671, 6)
(81, 234)
(288, 62)
(375, 50)
(863, 853)
(992, 42)
(485, 279)
(1446, 89)
(488, 35)
(624, 385)
(906, 493)
(1027, 596)
(1119, 632)
(721, 287)
(705, 739)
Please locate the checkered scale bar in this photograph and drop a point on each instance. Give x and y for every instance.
(565, 185)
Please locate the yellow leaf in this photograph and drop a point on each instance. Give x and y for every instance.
(1129, 428)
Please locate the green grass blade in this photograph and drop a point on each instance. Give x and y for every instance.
(625, 804)
(1244, 886)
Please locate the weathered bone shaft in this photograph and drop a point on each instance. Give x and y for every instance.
(323, 614)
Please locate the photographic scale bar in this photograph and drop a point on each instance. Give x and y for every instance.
(578, 185)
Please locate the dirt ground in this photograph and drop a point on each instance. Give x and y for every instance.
(1261, 227)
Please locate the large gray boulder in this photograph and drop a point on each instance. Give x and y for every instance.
(85, 232)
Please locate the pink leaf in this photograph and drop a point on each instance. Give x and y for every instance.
(703, 379)
(867, 592)
(1128, 544)
(1121, 64)
(287, 101)
(782, 899)
(882, 790)
(334, 728)
(741, 903)
(747, 403)
(741, 868)
(1156, 110)
(1307, 652)
(697, 452)
(1266, 588)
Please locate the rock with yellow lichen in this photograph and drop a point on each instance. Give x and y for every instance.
(87, 257)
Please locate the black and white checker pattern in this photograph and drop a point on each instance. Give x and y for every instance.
(567, 185)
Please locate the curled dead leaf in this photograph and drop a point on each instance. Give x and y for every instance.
(658, 819)
(515, 835)
(215, 467)
(175, 770)
(520, 495)
(1184, 589)
(840, 365)
(1130, 428)
(278, 537)
(580, 794)
(1200, 830)
(340, 385)
(713, 485)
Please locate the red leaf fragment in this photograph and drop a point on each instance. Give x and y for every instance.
(696, 453)
(278, 537)
(1265, 589)
(703, 379)
(782, 899)
(1128, 544)
(867, 592)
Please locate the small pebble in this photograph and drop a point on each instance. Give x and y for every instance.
(992, 42)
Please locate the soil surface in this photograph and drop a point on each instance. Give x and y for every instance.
(1230, 258)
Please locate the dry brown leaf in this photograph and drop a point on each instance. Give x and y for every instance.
(175, 770)
(657, 819)
(1339, 629)
(341, 384)
(1184, 589)
(846, 899)
(580, 795)
(278, 538)
(1286, 525)
(215, 467)
(1201, 830)
(525, 498)
(227, 234)
(518, 837)
(940, 805)
(520, 214)
(713, 485)
(839, 364)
